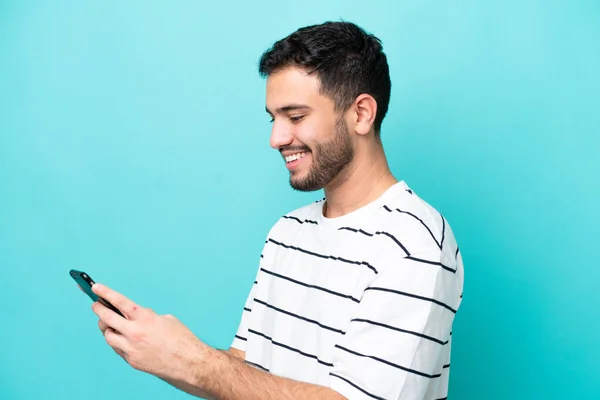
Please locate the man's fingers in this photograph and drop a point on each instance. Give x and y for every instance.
(126, 306)
(121, 353)
(102, 325)
(117, 341)
(109, 318)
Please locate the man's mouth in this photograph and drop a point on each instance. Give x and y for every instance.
(295, 156)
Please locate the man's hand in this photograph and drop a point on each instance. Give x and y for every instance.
(157, 344)
(162, 346)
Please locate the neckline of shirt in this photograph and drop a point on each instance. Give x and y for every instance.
(360, 214)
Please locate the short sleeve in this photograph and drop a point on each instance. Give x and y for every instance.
(395, 343)
(241, 335)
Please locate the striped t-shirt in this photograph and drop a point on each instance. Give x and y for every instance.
(362, 304)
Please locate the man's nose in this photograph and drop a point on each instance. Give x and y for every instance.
(281, 135)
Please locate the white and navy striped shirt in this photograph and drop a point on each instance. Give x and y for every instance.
(363, 303)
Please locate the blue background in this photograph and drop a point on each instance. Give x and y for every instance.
(134, 146)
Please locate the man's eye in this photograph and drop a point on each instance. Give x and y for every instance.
(296, 118)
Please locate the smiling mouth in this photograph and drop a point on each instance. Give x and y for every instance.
(294, 157)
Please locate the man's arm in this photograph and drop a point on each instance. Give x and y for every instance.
(164, 347)
(223, 375)
(238, 353)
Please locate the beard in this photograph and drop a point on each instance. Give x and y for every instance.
(329, 159)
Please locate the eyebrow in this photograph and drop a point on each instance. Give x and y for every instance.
(288, 108)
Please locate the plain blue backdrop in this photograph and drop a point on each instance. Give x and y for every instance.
(134, 146)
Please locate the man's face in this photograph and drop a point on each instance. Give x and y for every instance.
(313, 139)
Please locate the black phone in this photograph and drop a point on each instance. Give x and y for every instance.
(85, 282)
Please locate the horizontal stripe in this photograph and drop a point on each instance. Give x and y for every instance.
(354, 385)
(377, 233)
(256, 365)
(430, 262)
(312, 321)
(247, 309)
(413, 296)
(308, 221)
(241, 338)
(367, 321)
(287, 278)
(446, 366)
(391, 364)
(457, 250)
(418, 219)
(323, 256)
(442, 398)
(285, 346)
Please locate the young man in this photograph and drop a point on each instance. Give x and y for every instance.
(356, 293)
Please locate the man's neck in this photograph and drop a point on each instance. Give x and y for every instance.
(367, 178)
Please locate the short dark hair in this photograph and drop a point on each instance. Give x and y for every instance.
(347, 60)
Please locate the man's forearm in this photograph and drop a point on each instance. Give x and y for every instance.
(223, 376)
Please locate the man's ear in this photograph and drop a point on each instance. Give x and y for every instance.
(365, 107)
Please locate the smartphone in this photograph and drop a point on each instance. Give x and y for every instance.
(85, 282)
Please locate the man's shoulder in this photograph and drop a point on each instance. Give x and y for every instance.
(408, 202)
(414, 222)
(306, 214)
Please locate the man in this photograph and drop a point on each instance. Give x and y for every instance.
(356, 293)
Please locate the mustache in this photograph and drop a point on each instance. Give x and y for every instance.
(295, 148)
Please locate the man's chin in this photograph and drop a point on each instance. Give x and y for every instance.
(302, 185)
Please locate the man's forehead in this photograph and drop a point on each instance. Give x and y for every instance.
(292, 86)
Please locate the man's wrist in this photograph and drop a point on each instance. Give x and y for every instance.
(209, 364)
